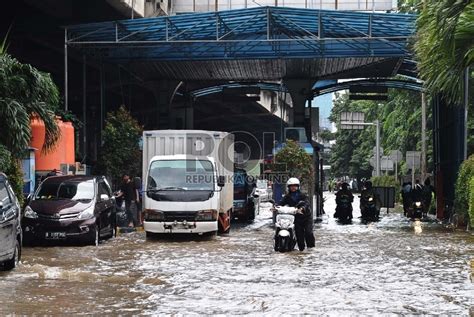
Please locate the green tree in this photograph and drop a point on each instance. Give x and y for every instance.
(293, 160)
(120, 152)
(445, 45)
(400, 118)
(25, 92)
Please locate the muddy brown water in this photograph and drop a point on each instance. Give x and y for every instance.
(390, 267)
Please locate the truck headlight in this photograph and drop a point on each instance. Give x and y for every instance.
(153, 215)
(88, 213)
(30, 213)
(206, 215)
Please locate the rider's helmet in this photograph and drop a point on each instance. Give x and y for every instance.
(344, 186)
(293, 181)
(368, 185)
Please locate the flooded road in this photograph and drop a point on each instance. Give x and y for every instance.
(391, 267)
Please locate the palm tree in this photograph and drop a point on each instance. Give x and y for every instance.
(25, 92)
(445, 45)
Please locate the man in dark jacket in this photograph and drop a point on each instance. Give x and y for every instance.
(303, 218)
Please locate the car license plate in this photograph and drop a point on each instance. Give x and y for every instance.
(55, 235)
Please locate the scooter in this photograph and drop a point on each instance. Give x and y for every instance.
(285, 237)
(369, 212)
(344, 209)
(416, 211)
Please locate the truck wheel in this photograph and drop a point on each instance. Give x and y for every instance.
(15, 260)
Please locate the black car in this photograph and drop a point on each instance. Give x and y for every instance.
(10, 228)
(244, 197)
(70, 208)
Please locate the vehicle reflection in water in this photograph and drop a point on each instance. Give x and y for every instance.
(382, 267)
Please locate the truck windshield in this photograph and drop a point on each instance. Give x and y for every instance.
(181, 175)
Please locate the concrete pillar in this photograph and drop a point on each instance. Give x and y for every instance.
(300, 91)
(448, 133)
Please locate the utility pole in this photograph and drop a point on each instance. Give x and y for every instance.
(377, 148)
(423, 135)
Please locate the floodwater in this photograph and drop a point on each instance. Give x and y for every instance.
(391, 267)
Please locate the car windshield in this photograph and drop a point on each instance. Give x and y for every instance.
(181, 175)
(66, 190)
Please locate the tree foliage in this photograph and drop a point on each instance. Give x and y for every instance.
(463, 188)
(400, 119)
(120, 152)
(25, 92)
(445, 45)
(293, 159)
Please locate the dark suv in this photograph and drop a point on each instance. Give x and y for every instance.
(10, 228)
(74, 208)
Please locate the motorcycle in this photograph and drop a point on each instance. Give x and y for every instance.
(369, 212)
(344, 209)
(285, 237)
(417, 210)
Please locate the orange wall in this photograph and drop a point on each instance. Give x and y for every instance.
(63, 153)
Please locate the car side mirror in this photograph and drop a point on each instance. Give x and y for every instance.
(221, 181)
(104, 197)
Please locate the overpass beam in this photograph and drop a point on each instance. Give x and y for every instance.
(301, 92)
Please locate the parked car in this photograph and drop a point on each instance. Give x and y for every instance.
(245, 208)
(263, 190)
(10, 228)
(73, 208)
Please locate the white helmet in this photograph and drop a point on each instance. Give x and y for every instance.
(293, 181)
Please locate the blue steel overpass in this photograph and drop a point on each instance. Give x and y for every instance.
(259, 46)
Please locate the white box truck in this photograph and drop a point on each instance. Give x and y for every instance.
(187, 181)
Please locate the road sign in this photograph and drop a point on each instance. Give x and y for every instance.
(396, 156)
(374, 150)
(413, 159)
(372, 161)
(354, 118)
(386, 164)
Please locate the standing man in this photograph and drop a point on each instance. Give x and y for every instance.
(303, 218)
(129, 194)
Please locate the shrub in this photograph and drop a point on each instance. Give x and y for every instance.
(12, 168)
(384, 181)
(471, 203)
(463, 189)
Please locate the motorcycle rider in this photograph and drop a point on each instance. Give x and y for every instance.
(344, 192)
(303, 220)
(406, 197)
(366, 193)
(428, 192)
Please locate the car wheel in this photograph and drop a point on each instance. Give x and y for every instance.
(15, 260)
